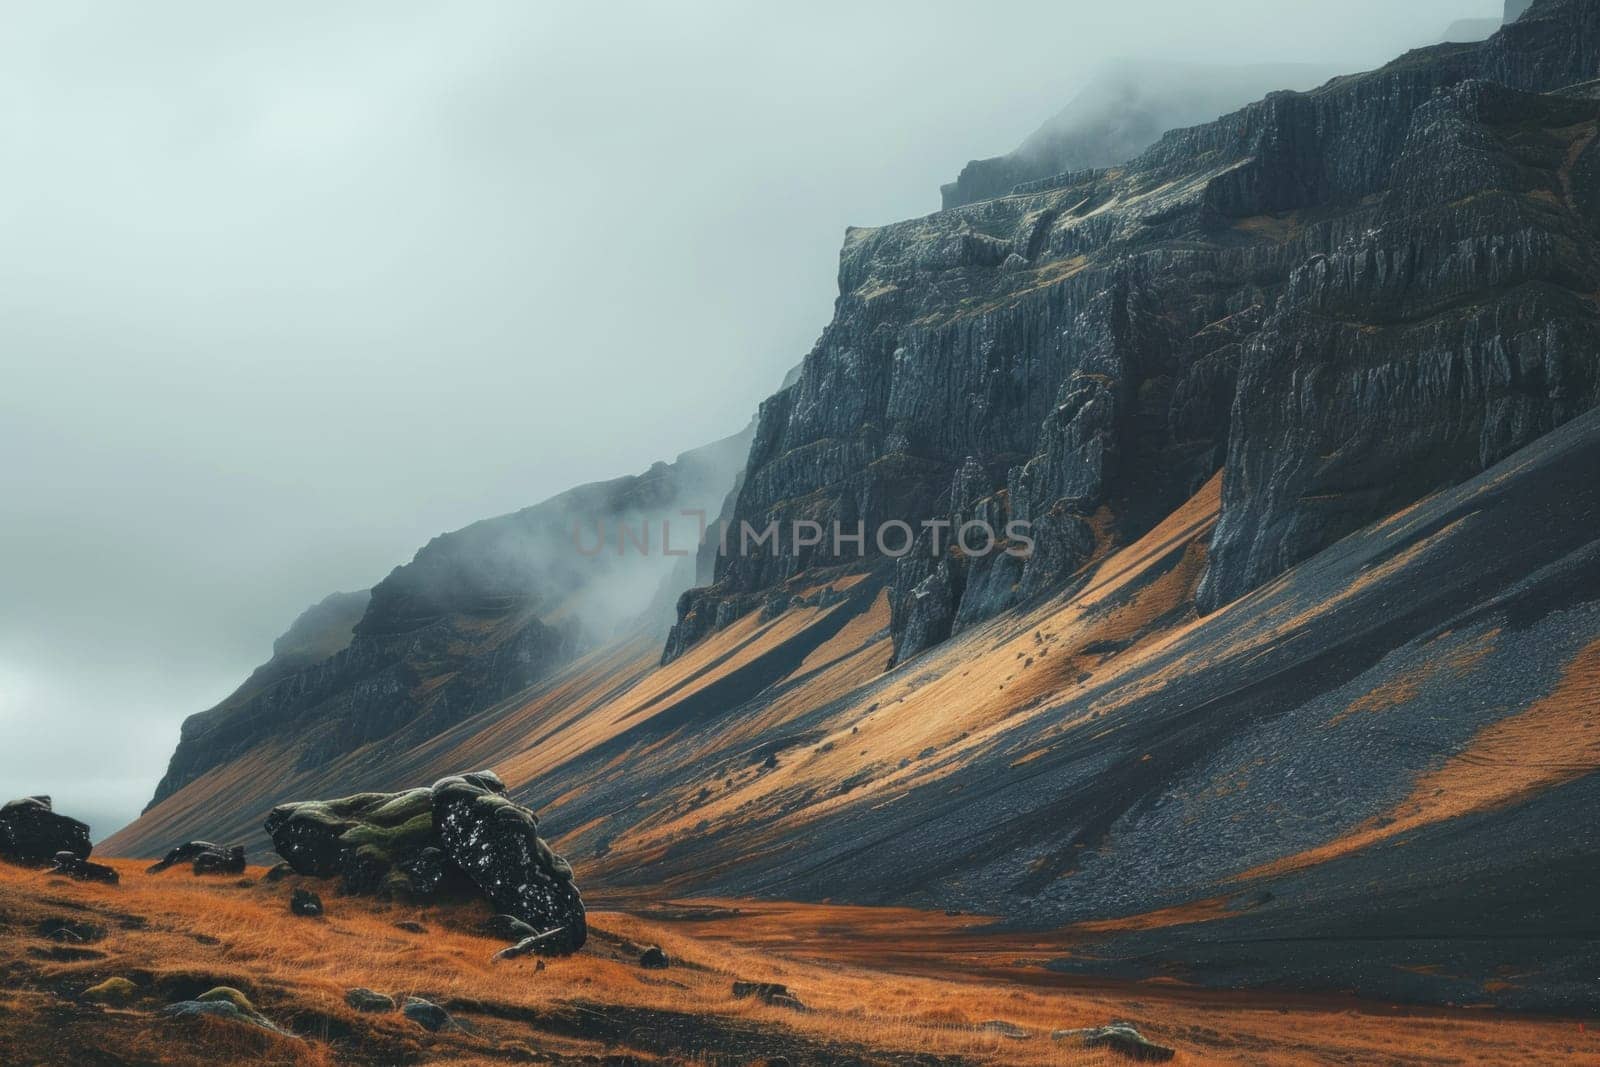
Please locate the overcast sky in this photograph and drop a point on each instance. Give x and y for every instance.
(288, 288)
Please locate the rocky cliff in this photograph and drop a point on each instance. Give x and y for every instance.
(1122, 111)
(478, 615)
(1345, 299)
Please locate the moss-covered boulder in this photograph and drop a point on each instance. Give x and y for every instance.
(230, 995)
(375, 842)
(112, 991)
(462, 835)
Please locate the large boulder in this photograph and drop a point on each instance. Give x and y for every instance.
(496, 842)
(461, 836)
(32, 832)
(376, 842)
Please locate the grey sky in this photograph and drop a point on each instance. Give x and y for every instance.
(286, 289)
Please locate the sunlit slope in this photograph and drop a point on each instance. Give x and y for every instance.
(1394, 742)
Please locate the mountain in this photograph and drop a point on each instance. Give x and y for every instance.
(1121, 112)
(1346, 298)
(478, 615)
(1297, 682)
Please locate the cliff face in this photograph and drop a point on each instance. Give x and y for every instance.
(478, 615)
(1120, 113)
(1345, 299)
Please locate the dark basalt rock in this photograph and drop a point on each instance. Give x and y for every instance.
(71, 931)
(508, 928)
(204, 858)
(427, 1014)
(305, 903)
(226, 1004)
(1119, 1038)
(496, 842)
(31, 832)
(375, 842)
(366, 1000)
(550, 943)
(228, 861)
(461, 836)
(75, 866)
(654, 959)
(773, 993)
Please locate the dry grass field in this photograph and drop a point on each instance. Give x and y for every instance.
(882, 986)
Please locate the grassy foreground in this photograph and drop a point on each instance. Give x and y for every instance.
(880, 985)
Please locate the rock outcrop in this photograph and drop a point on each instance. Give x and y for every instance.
(1345, 298)
(75, 866)
(203, 857)
(462, 835)
(31, 831)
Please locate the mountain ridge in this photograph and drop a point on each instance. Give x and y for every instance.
(1259, 393)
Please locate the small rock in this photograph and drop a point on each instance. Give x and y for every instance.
(203, 858)
(111, 991)
(277, 872)
(230, 861)
(427, 1014)
(217, 1009)
(770, 993)
(368, 1000)
(508, 928)
(1004, 1029)
(551, 942)
(411, 926)
(70, 931)
(305, 902)
(222, 1009)
(75, 866)
(65, 954)
(228, 994)
(1120, 1038)
(653, 959)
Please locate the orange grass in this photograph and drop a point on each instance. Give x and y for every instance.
(1555, 740)
(880, 982)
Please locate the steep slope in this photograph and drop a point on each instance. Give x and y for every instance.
(1299, 683)
(478, 615)
(1346, 298)
(1385, 755)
